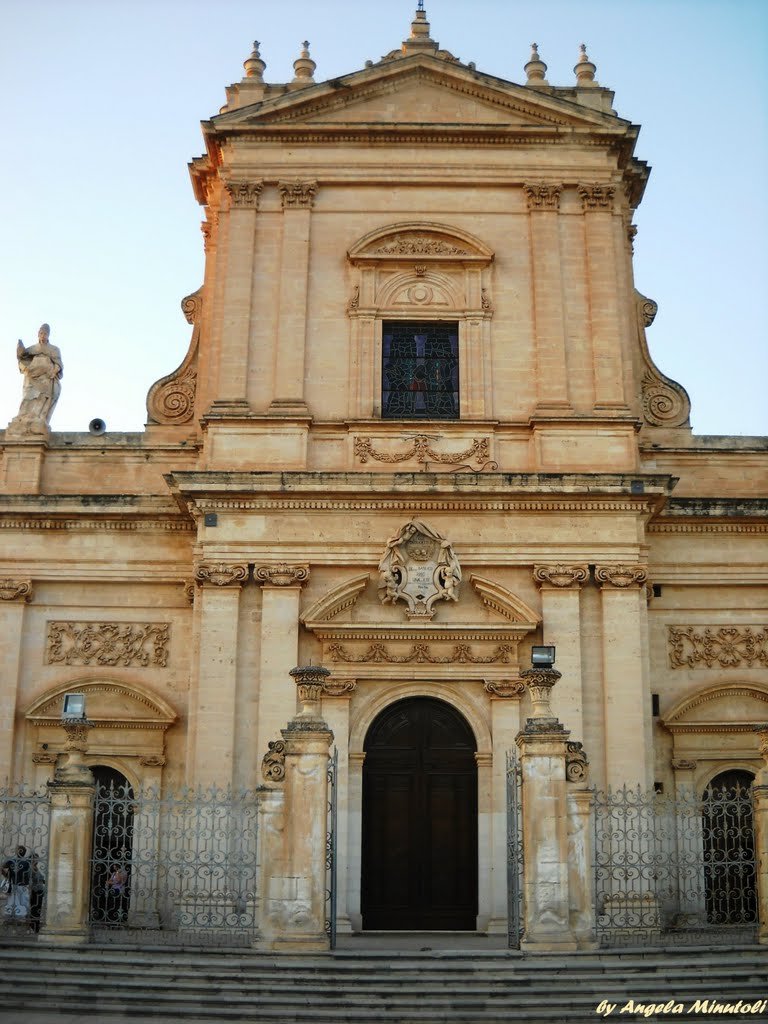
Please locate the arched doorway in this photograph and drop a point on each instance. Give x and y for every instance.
(729, 849)
(112, 846)
(419, 842)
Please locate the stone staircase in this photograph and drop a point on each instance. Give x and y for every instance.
(101, 984)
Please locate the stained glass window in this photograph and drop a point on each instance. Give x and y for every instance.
(420, 370)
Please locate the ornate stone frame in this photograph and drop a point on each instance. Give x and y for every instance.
(420, 270)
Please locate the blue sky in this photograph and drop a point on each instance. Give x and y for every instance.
(102, 108)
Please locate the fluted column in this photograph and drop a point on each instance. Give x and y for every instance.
(14, 594)
(597, 204)
(279, 648)
(625, 697)
(560, 587)
(549, 317)
(298, 198)
(232, 393)
(212, 716)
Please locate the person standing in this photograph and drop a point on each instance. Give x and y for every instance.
(18, 871)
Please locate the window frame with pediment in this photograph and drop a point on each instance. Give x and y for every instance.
(419, 271)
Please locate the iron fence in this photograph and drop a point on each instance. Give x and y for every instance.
(178, 868)
(330, 851)
(674, 870)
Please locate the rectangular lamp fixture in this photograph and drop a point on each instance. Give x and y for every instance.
(542, 657)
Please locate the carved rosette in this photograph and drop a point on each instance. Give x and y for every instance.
(576, 763)
(505, 687)
(220, 574)
(543, 196)
(282, 575)
(15, 590)
(244, 194)
(621, 576)
(297, 194)
(596, 197)
(560, 575)
(171, 400)
(273, 762)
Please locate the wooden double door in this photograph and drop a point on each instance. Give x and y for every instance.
(419, 852)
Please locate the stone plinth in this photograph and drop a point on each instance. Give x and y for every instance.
(69, 862)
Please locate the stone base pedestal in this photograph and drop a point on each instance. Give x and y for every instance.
(69, 863)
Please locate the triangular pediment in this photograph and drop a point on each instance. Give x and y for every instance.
(418, 90)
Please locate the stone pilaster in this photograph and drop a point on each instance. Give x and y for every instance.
(597, 204)
(298, 198)
(232, 395)
(581, 875)
(212, 717)
(549, 315)
(625, 696)
(279, 648)
(690, 829)
(542, 746)
(296, 899)
(560, 587)
(22, 465)
(14, 595)
(70, 840)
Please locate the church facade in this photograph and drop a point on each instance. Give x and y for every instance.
(418, 431)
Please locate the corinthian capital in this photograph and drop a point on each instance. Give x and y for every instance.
(15, 590)
(561, 575)
(221, 574)
(596, 197)
(282, 575)
(541, 196)
(621, 575)
(297, 193)
(244, 193)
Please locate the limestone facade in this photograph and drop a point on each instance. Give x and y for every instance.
(177, 575)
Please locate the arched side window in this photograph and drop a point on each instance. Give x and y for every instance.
(420, 317)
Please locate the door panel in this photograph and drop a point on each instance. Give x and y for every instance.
(420, 819)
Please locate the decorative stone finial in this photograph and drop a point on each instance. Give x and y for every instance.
(254, 66)
(71, 769)
(304, 67)
(584, 70)
(540, 681)
(310, 682)
(536, 69)
(420, 38)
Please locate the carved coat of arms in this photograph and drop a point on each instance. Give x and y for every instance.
(420, 568)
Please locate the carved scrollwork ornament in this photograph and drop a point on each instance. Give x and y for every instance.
(543, 196)
(576, 763)
(171, 400)
(505, 687)
(621, 576)
(419, 568)
(297, 194)
(15, 590)
(596, 196)
(220, 574)
(561, 575)
(273, 762)
(152, 760)
(333, 687)
(683, 764)
(665, 403)
(282, 575)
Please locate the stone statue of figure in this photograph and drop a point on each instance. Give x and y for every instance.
(42, 368)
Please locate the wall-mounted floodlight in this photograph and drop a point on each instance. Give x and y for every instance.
(542, 657)
(74, 708)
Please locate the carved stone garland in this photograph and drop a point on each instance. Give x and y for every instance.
(422, 451)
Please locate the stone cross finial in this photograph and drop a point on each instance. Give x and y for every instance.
(255, 66)
(535, 69)
(584, 69)
(304, 67)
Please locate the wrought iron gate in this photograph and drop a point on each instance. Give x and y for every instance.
(330, 850)
(674, 870)
(24, 821)
(178, 867)
(515, 890)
